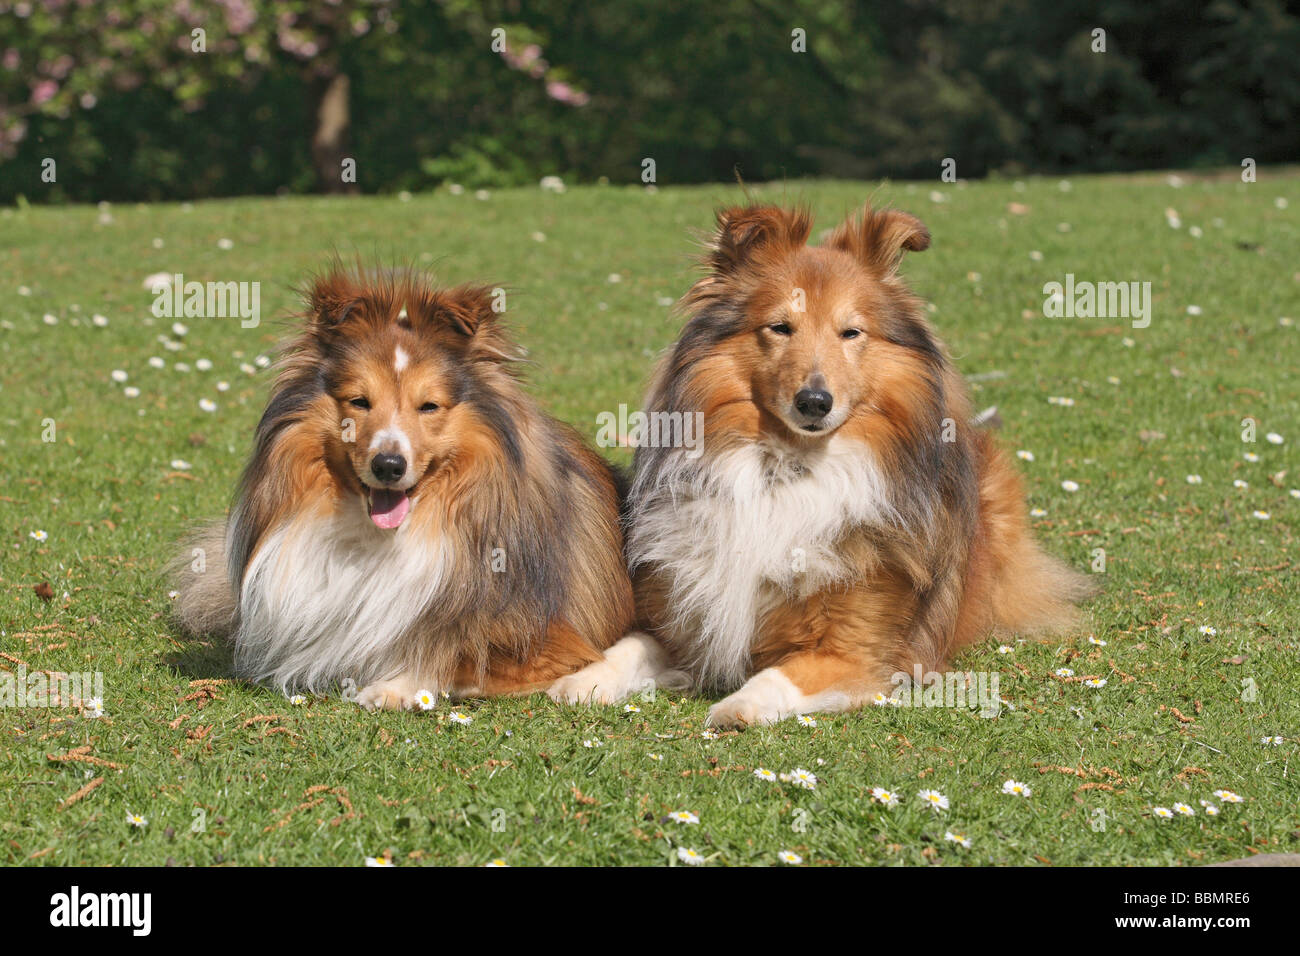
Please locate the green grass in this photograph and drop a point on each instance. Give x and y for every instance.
(518, 783)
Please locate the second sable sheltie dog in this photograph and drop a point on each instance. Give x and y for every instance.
(845, 522)
(410, 520)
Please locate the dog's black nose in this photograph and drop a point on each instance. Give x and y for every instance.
(813, 403)
(388, 468)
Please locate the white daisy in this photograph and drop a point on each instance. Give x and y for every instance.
(456, 717)
(788, 856)
(497, 863)
(631, 709)
(591, 744)
(887, 798)
(1261, 515)
(118, 375)
(1184, 810)
(94, 708)
(207, 404)
(1095, 641)
(1271, 741)
(1193, 479)
(1037, 512)
(426, 699)
(136, 820)
(1025, 455)
(1070, 486)
(806, 721)
(1250, 456)
(180, 464)
(203, 365)
(1095, 682)
(1063, 672)
(131, 392)
(379, 861)
(762, 773)
(156, 362)
(1208, 630)
(935, 799)
(689, 856)
(1274, 438)
(684, 816)
(959, 838)
(709, 735)
(1228, 796)
(179, 328)
(655, 757)
(1016, 788)
(1005, 649)
(1164, 813)
(1238, 483)
(37, 535)
(803, 778)
(297, 700)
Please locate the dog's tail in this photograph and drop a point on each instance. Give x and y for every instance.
(1030, 591)
(205, 603)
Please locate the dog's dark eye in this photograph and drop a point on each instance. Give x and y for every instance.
(359, 402)
(850, 333)
(780, 328)
(429, 407)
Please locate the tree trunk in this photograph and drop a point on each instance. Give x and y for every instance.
(329, 143)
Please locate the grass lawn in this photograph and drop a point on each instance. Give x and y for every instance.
(230, 773)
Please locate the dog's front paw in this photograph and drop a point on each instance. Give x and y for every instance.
(742, 710)
(597, 683)
(388, 695)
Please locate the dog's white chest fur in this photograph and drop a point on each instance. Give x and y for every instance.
(330, 599)
(737, 533)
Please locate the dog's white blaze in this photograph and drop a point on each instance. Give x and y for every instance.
(330, 597)
(738, 532)
(400, 359)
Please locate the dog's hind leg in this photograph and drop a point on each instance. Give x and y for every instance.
(804, 683)
(635, 664)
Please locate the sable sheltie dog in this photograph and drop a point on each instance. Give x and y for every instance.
(845, 522)
(410, 520)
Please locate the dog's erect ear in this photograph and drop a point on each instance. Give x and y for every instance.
(330, 299)
(466, 309)
(878, 238)
(746, 231)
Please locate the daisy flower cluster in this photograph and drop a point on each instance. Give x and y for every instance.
(1208, 807)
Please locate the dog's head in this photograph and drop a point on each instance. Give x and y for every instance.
(406, 366)
(817, 331)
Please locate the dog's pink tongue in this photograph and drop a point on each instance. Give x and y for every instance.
(388, 508)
